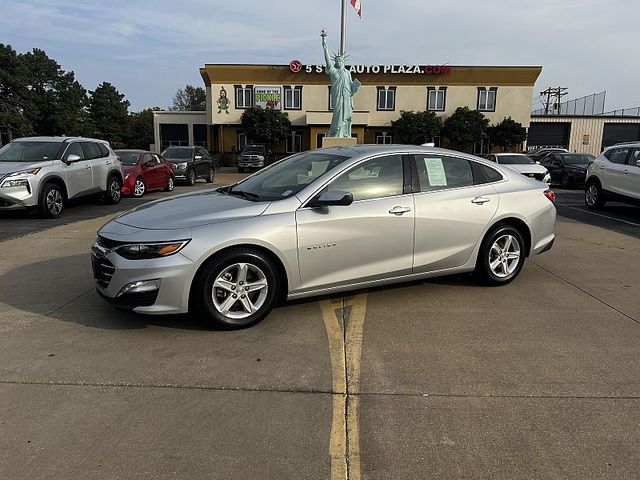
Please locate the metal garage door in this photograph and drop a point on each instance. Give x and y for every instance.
(620, 132)
(543, 134)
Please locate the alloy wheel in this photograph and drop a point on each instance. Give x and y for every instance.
(54, 202)
(240, 290)
(170, 185)
(138, 189)
(591, 195)
(504, 256)
(114, 190)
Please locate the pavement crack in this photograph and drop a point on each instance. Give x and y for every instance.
(60, 307)
(569, 282)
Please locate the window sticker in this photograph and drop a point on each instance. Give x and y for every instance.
(435, 172)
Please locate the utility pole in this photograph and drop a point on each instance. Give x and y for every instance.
(557, 93)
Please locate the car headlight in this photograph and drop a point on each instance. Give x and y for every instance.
(181, 165)
(30, 171)
(21, 182)
(260, 157)
(127, 176)
(144, 251)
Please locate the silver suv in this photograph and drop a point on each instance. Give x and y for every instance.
(614, 175)
(45, 172)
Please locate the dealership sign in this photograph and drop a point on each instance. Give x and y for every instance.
(268, 97)
(296, 67)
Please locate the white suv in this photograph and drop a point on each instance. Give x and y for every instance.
(614, 175)
(45, 172)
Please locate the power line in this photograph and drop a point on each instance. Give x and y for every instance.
(557, 93)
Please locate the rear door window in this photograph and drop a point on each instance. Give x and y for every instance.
(91, 150)
(436, 172)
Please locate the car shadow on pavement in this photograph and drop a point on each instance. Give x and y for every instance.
(63, 289)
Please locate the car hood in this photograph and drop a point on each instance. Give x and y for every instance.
(10, 167)
(531, 168)
(129, 168)
(191, 210)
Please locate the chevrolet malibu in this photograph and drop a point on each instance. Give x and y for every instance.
(321, 222)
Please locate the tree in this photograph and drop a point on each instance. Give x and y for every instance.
(266, 126)
(465, 127)
(12, 94)
(416, 128)
(109, 115)
(54, 101)
(141, 129)
(190, 99)
(508, 133)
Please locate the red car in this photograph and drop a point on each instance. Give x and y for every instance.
(145, 171)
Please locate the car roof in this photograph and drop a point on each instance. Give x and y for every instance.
(58, 139)
(507, 153)
(131, 150)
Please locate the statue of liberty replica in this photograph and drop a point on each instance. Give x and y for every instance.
(343, 88)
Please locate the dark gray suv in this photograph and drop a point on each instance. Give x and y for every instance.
(190, 163)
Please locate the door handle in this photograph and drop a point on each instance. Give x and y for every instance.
(480, 200)
(399, 210)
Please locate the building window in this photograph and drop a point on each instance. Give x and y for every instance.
(487, 99)
(244, 96)
(436, 98)
(387, 98)
(294, 143)
(319, 138)
(384, 138)
(330, 100)
(292, 98)
(482, 147)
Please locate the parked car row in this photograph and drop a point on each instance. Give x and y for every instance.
(46, 172)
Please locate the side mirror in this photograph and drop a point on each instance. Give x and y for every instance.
(72, 158)
(332, 198)
(637, 163)
(198, 157)
(537, 162)
(149, 163)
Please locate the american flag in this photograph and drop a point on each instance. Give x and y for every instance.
(358, 6)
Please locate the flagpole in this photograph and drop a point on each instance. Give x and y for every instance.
(343, 28)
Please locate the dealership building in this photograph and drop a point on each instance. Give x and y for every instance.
(303, 92)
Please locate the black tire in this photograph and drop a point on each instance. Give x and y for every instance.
(171, 183)
(593, 195)
(487, 255)
(564, 181)
(51, 201)
(113, 194)
(241, 169)
(143, 188)
(211, 176)
(202, 289)
(191, 177)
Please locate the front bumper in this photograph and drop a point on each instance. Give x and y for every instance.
(18, 198)
(112, 273)
(251, 163)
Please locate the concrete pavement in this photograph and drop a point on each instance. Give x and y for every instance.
(538, 379)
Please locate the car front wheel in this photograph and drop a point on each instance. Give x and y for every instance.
(501, 256)
(211, 175)
(235, 289)
(593, 195)
(191, 177)
(139, 188)
(51, 203)
(170, 184)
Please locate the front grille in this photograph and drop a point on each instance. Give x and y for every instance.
(108, 243)
(103, 269)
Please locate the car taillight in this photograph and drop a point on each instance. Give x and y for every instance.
(551, 195)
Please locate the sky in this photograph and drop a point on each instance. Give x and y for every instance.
(150, 48)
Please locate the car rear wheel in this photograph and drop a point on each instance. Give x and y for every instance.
(501, 256)
(51, 203)
(593, 195)
(211, 176)
(170, 184)
(139, 188)
(236, 289)
(112, 195)
(564, 180)
(191, 177)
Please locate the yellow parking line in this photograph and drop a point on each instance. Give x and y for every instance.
(344, 443)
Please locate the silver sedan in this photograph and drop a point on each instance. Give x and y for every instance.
(319, 222)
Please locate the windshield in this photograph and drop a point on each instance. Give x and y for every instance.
(253, 150)
(287, 177)
(128, 158)
(177, 152)
(514, 160)
(31, 151)
(578, 159)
